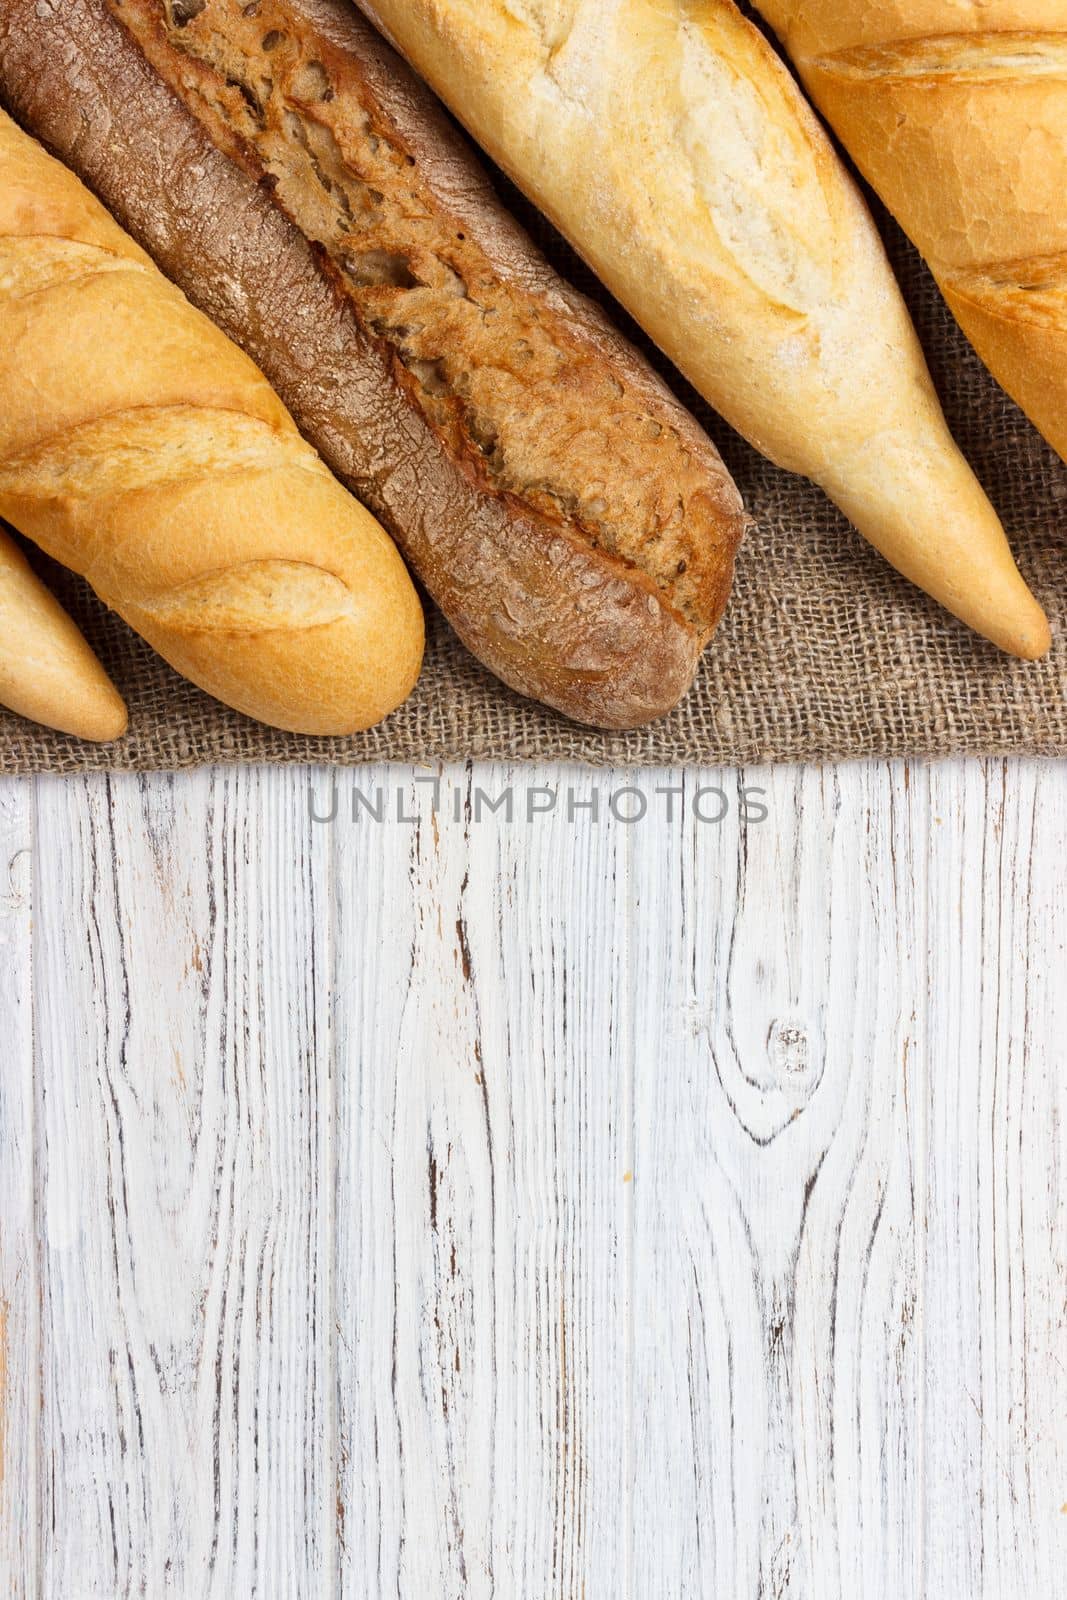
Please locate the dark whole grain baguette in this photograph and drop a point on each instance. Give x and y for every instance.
(571, 519)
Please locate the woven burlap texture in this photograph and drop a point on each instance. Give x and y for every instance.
(824, 652)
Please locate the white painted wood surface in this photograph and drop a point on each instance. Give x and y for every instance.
(19, 1310)
(469, 1207)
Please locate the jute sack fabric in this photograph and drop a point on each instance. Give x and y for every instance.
(824, 652)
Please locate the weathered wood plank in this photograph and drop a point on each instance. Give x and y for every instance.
(184, 1155)
(774, 1225)
(19, 1381)
(995, 1315)
(481, 1201)
(849, 1192)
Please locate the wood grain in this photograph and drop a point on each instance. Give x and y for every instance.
(184, 1158)
(482, 1211)
(470, 1206)
(774, 1205)
(995, 1336)
(18, 1258)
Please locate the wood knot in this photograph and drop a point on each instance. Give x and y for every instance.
(16, 892)
(789, 1051)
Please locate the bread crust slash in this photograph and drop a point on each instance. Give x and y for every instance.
(957, 117)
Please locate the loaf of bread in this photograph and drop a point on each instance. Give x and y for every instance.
(572, 521)
(145, 451)
(672, 147)
(47, 671)
(957, 116)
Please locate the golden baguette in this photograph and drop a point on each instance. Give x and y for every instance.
(47, 671)
(674, 150)
(144, 450)
(957, 116)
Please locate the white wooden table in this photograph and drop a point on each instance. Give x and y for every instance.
(553, 1208)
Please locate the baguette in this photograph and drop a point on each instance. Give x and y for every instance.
(145, 451)
(47, 671)
(572, 521)
(676, 153)
(957, 116)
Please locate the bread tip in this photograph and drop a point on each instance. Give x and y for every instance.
(1036, 641)
(105, 721)
(1022, 632)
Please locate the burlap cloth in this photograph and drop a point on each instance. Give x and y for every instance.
(824, 652)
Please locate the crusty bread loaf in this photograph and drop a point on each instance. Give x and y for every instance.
(144, 450)
(673, 148)
(570, 518)
(957, 115)
(47, 671)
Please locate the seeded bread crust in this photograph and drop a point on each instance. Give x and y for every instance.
(571, 519)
